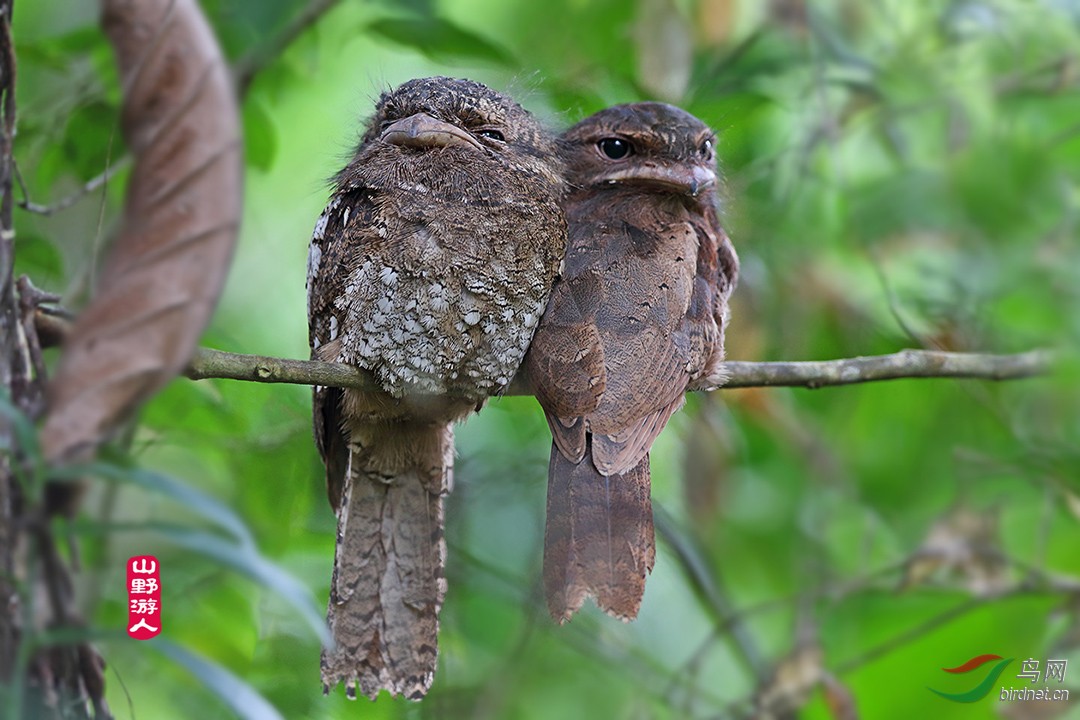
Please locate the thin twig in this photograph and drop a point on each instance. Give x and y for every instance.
(64, 203)
(209, 363)
(893, 300)
(246, 68)
(711, 588)
(910, 635)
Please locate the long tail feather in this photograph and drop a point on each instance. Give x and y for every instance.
(598, 541)
(389, 582)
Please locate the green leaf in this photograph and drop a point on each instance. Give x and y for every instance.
(40, 259)
(92, 138)
(441, 40)
(73, 636)
(247, 560)
(260, 135)
(238, 553)
(195, 500)
(422, 7)
(234, 692)
(56, 52)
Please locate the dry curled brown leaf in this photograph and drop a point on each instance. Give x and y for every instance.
(163, 275)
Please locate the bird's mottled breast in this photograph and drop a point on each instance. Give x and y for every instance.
(444, 273)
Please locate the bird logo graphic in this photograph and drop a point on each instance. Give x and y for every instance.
(982, 689)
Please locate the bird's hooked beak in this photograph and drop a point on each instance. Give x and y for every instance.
(423, 131)
(685, 179)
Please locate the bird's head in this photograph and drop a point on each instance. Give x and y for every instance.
(652, 146)
(467, 118)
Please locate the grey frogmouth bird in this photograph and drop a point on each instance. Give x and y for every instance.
(430, 268)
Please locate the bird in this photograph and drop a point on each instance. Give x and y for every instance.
(429, 268)
(637, 315)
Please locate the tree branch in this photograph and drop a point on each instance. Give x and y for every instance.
(52, 326)
(209, 363)
(904, 364)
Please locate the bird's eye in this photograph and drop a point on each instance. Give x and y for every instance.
(706, 149)
(615, 148)
(493, 134)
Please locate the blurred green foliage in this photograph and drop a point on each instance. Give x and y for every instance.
(898, 174)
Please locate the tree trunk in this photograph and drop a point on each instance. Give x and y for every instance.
(10, 608)
(55, 682)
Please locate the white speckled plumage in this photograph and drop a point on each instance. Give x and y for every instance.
(422, 269)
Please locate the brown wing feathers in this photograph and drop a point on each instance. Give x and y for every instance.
(637, 314)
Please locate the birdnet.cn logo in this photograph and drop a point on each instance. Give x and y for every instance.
(984, 671)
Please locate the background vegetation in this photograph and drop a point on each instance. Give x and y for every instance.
(898, 174)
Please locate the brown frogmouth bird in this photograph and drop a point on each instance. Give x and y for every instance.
(430, 268)
(638, 315)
